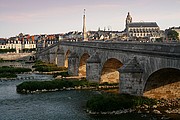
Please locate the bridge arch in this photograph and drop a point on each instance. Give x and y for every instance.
(163, 83)
(66, 58)
(109, 72)
(82, 64)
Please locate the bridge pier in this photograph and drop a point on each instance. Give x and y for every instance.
(60, 57)
(73, 64)
(47, 57)
(93, 68)
(131, 78)
(39, 57)
(52, 56)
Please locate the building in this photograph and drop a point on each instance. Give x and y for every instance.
(14, 43)
(141, 30)
(28, 42)
(2, 43)
(103, 35)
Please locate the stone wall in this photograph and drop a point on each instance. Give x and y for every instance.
(17, 64)
(16, 56)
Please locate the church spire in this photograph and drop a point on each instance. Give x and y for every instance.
(84, 27)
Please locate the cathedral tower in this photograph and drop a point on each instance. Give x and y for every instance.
(128, 20)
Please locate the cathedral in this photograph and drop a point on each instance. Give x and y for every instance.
(141, 30)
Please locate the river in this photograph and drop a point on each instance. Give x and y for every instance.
(61, 105)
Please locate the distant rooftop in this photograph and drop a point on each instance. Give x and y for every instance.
(143, 24)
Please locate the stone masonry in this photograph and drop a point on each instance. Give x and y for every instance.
(130, 63)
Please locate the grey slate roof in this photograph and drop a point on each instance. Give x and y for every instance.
(2, 42)
(143, 24)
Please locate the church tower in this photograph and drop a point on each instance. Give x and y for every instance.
(128, 20)
(84, 27)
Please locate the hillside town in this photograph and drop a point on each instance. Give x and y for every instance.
(134, 31)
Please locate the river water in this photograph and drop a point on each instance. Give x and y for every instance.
(61, 105)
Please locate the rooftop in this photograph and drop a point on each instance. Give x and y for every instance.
(143, 24)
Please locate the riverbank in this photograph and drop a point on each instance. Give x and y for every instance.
(10, 73)
(61, 84)
(164, 109)
(7, 79)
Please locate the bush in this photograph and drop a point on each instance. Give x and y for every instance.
(110, 102)
(43, 67)
(28, 50)
(8, 75)
(6, 69)
(48, 85)
(10, 72)
(7, 50)
(63, 74)
(109, 84)
(140, 100)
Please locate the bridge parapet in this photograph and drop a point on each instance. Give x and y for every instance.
(166, 49)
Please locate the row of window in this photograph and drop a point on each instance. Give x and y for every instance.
(2, 46)
(19, 42)
(141, 35)
(51, 42)
(144, 29)
(14, 47)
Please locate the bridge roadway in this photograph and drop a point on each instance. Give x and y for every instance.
(151, 69)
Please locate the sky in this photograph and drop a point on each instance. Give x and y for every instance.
(61, 16)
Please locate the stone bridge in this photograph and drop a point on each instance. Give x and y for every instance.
(150, 69)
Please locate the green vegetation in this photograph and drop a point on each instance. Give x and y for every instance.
(159, 39)
(10, 72)
(7, 69)
(1, 60)
(28, 50)
(108, 84)
(172, 34)
(8, 75)
(63, 74)
(7, 50)
(43, 67)
(50, 85)
(111, 102)
(30, 86)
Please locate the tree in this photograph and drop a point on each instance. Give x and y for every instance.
(172, 34)
(159, 39)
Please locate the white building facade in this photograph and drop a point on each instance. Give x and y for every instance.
(141, 30)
